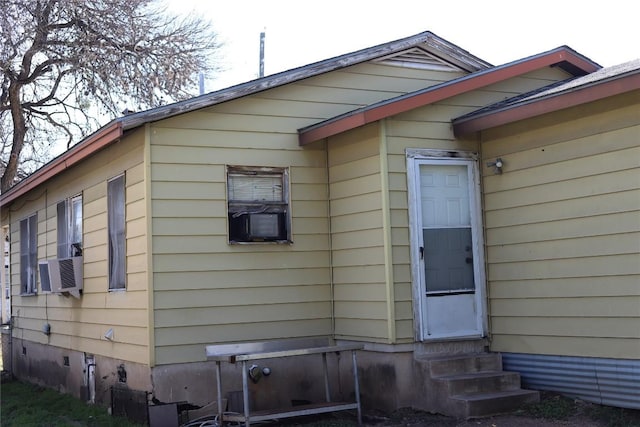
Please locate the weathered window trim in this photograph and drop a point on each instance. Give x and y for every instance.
(240, 210)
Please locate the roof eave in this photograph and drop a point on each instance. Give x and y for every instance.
(448, 51)
(557, 101)
(107, 135)
(558, 57)
(115, 129)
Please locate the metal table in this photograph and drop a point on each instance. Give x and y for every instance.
(314, 408)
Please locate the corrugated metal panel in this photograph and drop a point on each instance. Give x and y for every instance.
(612, 382)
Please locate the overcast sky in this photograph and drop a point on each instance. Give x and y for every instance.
(498, 31)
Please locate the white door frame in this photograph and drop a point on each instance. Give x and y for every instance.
(415, 157)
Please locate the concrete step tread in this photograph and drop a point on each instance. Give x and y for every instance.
(473, 375)
(463, 363)
(460, 356)
(475, 397)
(457, 358)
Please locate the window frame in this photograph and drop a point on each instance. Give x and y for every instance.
(67, 221)
(243, 209)
(30, 255)
(117, 231)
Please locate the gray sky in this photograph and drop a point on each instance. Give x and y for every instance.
(498, 31)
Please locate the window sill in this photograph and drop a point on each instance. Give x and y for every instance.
(266, 242)
(30, 294)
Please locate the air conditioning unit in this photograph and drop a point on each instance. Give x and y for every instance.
(45, 278)
(66, 275)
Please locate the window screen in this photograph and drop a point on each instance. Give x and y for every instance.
(28, 254)
(117, 244)
(69, 224)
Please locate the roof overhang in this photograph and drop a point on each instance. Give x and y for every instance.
(562, 57)
(547, 104)
(107, 135)
(115, 129)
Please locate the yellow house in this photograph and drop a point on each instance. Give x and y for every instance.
(409, 197)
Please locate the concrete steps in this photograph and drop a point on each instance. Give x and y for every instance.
(474, 385)
(475, 405)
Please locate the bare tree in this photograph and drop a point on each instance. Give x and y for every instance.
(68, 66)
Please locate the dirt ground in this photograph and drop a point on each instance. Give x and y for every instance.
(506, 420)
(554, 410)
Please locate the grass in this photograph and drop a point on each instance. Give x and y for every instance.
(26, 405)
(552, 407)
(615, 417)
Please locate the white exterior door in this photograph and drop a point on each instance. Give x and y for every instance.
(447, 257)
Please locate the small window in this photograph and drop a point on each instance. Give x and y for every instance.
(258, 204)
(117, 244)
(28, 254)
(70, 227)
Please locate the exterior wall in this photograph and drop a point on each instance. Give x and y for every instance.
(78, 325)
(429, 127)
(357, 237)
(371, 265)
(562, 232)
(207, 291)
(45, 365)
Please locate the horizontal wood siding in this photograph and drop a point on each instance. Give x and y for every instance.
(563, 232)
(79, 324)
(355, 191)
(429, 127)
(207, 291)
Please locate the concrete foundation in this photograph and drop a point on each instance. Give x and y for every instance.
(67, 372)
(390, 377)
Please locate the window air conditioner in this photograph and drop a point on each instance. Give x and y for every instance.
(45, 278)
(264, 225)
(66, 275)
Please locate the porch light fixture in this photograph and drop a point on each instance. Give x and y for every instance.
(497, 165)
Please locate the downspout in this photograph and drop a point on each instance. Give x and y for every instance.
(386, 231)
(148, 212)
(331, 280)
(487, 305)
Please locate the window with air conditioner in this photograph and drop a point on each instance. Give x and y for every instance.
(28, 254)
(70, 227)
(258, 205)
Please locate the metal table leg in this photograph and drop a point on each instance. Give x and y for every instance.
(356, 386)
(219, 390)
(245, 394)
(327, 391)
